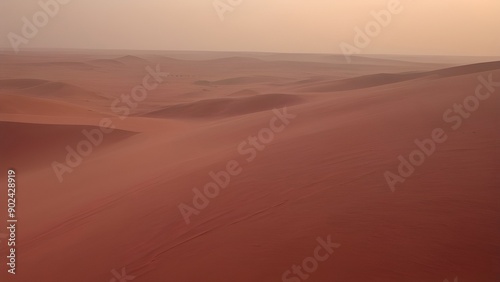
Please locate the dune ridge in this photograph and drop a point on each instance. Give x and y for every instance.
(223, 107)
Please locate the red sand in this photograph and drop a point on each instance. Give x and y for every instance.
(322, 175)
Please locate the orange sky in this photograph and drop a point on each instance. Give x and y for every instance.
(451, 27)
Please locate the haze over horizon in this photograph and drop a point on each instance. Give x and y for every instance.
(421, 28)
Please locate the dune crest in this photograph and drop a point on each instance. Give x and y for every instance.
(224, 107)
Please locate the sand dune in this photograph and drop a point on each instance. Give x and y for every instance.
(467, 69)
(51, 90)
(235, 59)
(17, 104)
(65, 65)
(195, 94)
(223, 107)
(248, 80)
(106, 63)
(46, 88)
(389, 78)
(202, 82)
(20, 83)
(54, 89)
(321, 175)
(46, 142)
(359, 82)
(245, 92)
(131, 60)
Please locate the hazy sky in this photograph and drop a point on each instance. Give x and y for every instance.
(452, 27)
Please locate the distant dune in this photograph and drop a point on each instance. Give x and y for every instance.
(20, 83)
(245, 92)
(243, 80)
(59, 89)
(223, 107)
(359, 82)
(131, 60)
(62, 65)
(17, 104)
(467, 69)
(248, 80)
(106, 63)
(389, 78)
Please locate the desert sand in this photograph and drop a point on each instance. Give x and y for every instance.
(321, 175)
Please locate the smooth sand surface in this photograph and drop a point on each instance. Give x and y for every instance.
(322, 175)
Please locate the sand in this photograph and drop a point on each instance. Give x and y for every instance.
(321, 174)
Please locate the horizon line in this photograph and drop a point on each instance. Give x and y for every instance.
(3, 49)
